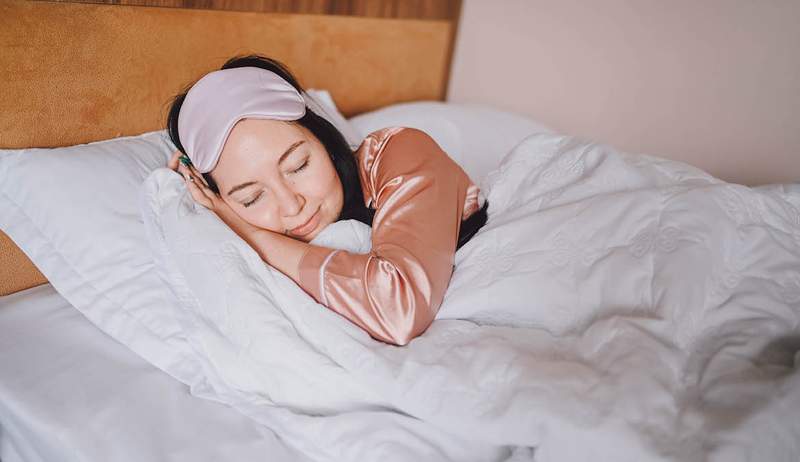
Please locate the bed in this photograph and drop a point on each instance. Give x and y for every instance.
(558, 348)
(69, 392)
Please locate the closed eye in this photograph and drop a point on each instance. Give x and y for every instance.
(305, 164)
(298, 169)
(248, 204)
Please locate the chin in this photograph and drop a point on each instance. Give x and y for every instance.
(316, 232)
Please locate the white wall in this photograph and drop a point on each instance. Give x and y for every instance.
(715, 83)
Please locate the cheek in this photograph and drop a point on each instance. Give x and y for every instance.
(259, 215)
(328, 185)
(322, 182)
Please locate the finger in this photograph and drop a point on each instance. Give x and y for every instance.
(187, 175)
(195, 183)
(184, 171)
(173, 161)
(198, 176)
(198, 195)
(197, 179)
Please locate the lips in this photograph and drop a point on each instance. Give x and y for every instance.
(308, 226)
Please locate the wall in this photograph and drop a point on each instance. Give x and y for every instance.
(714, 83)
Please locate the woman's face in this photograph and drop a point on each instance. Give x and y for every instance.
(278, 176)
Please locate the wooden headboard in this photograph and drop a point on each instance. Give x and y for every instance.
(79, 72)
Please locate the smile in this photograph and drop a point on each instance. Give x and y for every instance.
(308, 226)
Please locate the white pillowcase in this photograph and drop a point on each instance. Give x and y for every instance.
(322, 103)
(74, 211)
(211, 270)
(475, 136)
(213, 274)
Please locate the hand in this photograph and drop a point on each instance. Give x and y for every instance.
(174, 160)
(202, 194)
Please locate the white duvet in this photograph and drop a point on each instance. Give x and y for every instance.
(614, 307)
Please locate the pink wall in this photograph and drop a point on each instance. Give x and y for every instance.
(714, 83)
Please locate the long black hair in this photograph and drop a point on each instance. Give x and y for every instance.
(343, 158)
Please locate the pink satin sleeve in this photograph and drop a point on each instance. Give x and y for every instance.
(420, 196)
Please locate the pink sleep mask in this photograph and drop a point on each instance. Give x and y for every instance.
(221, 98)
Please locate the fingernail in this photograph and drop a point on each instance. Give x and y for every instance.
(185, 161)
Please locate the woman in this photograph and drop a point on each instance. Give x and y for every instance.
(278, 174)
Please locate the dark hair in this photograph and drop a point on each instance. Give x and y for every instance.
(342, 156)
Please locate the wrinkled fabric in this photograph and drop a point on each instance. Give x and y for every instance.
(420, 196)
(634, 305)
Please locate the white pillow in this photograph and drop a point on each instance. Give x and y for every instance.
(475, 136)
(74, 212)
(322, 103)
(214, 275)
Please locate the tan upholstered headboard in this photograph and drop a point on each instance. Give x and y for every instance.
(76, 72)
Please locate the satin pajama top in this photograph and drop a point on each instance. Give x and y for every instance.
(420, 197)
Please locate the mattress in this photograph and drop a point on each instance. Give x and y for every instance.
(70, 393)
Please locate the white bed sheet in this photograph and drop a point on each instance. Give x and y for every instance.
(70, 393)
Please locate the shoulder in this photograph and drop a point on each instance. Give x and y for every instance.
(384, 134)
(393, 153)
(411, 142)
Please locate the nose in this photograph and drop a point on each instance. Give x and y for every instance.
(291, 203)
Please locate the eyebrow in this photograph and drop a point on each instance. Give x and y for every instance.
(294, 146)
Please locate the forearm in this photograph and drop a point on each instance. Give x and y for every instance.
(279, 251)
(387, 292)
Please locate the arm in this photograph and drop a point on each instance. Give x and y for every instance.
(395, 291)
(279, 251)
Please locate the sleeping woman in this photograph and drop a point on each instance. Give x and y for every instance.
(278, 174)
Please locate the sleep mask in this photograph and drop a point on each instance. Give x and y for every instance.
(221, 98)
